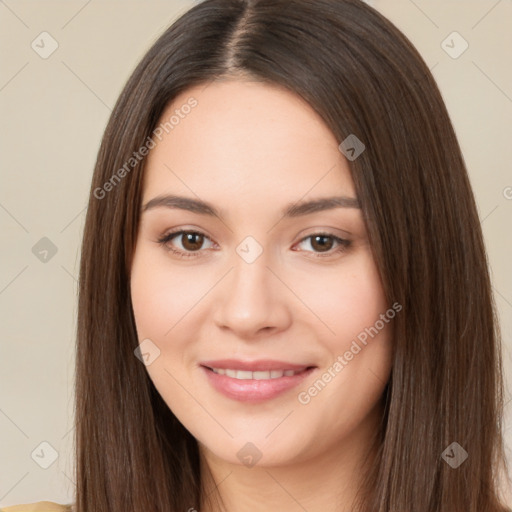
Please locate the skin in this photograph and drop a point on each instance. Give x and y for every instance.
(251, 149)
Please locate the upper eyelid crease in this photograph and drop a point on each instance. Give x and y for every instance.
(165, 239)
(291, 210)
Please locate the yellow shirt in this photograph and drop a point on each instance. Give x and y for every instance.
(40, 506)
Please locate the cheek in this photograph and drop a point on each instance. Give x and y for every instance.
(151, 300)
(346, 300)
(358, 343)
(161, 297)
(161, 300)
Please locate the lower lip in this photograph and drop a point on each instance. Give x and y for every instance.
(252, 390)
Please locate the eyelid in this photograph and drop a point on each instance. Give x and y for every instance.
(330, 231)
(343, 243)
(168, 236)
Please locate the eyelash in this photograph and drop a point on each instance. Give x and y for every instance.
(165, 239)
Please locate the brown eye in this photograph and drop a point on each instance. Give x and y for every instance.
(185, 244)
(322, 243)
(325, 244)
(192, 241)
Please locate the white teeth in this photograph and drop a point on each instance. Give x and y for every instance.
(243, 375)
(258, 375)
(262, 375)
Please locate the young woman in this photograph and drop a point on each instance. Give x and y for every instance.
(284, 296)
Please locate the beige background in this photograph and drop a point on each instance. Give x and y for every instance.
(53, 114)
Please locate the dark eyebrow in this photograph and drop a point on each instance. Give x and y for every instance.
(318, 205)
(291, 210)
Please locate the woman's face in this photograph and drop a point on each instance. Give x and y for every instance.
(266, 285)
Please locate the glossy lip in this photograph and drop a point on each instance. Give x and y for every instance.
(253, 390)
(254, 366)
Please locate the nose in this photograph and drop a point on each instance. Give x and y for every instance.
(251, 300)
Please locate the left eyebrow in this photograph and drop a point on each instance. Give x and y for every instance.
(318, 205)
(291, 210)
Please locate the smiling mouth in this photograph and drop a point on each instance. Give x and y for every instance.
(255, 381)
(257, 375)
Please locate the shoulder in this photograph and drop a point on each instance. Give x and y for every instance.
(40, 506)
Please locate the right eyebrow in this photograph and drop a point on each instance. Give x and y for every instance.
(182, 203)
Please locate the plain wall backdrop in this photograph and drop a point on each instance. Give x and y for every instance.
(63, 65)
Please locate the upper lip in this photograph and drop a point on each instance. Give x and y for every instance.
(259, 365)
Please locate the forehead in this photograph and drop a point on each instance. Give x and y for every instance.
(248, 140)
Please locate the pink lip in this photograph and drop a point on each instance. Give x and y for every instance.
(254, 366)
(252, 390)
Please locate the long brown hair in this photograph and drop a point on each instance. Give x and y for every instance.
(364, 78)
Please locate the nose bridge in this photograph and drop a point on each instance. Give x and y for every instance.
(250, 278)
(249, 300)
